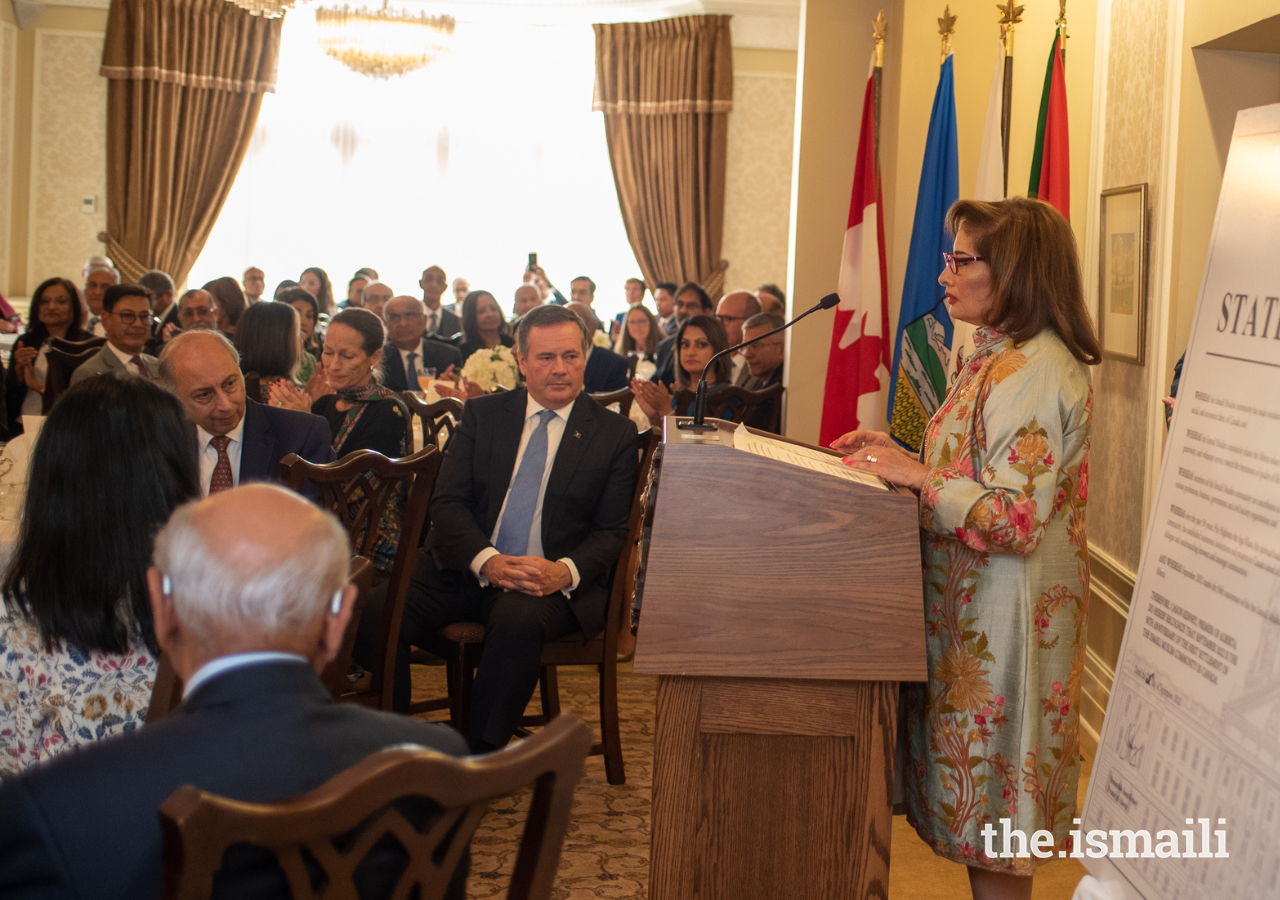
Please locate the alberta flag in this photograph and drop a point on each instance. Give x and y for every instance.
(858, 362)
(1051, 161)
(923, 346)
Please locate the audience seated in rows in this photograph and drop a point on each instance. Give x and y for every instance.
(409, 349)
(483, 327)
(691, 300)
(238, 439)
(606, 371)
(96, 281)
(249, 600)
(115, 457)
(55, 313)
(254, 283)
(315, 281)
(126, 317)
(440, 322)
(229, 303)
(699, 339)
(528, 518)
(763, 368)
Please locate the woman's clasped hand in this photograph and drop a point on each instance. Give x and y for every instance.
(879, 454)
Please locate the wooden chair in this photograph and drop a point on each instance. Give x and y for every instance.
(166, 693)
(624, 398)
(358, 489)
(253, 387)
(335, 826)
(461, 644)
(61, 364)
(437, 418)
(717, 402)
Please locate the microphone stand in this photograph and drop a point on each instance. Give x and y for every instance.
(699, 404)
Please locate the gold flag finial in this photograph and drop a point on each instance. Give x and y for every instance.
(879, 29)
(1062, 18)
(946, 28)
(1010, 15)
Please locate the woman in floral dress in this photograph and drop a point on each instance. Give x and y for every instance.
(1003, 482)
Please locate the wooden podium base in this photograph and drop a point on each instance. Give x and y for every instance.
(772, 788)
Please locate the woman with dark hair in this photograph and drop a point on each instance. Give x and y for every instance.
(269, 340)
(55, 313)
(308, 313)
(483, 326)
(230, 302)
(315, 281)
(699, 339)
(77, 651)
(282, 287)
(1002, 477)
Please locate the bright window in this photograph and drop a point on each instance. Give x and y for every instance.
(487, 155)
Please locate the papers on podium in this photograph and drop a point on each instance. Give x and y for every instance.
(804, 457)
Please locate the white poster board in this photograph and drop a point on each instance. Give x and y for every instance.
(1192, 729)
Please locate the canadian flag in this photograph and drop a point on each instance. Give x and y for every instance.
(858, 362)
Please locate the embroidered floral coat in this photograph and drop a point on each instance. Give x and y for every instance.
(994, 733)
(50, 702)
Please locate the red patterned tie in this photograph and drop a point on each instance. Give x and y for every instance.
(142, 366)
(221, 480)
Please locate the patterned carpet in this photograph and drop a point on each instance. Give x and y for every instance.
(606, 853)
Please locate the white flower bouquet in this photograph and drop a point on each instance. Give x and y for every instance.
(645, 369)
(600, 339)
(492, 368)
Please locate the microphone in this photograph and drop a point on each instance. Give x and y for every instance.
(699, 415)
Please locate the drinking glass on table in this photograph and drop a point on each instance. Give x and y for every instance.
(426, 376)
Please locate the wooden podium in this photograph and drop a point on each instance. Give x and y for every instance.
(781, 608)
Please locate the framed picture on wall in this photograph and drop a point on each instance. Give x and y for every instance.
(1122, 274)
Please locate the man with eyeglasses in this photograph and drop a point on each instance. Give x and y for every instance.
(126, 317)
(374, 297)
(409, 350)
(733, 310)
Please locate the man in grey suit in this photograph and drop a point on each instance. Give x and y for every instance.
(126, 317)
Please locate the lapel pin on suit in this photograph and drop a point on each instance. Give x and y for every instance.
(577, 434)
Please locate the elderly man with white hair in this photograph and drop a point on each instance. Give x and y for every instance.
(250, 600)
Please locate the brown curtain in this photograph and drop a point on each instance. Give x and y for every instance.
(666, 89)
(186, 84)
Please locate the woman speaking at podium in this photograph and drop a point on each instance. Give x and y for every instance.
(1002, 479)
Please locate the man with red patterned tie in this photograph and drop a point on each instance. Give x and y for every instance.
(238, 439)
(126, 318)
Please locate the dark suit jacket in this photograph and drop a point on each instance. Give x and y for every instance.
(86, 824)
(271, 434)
(584, 510)
(767, 416)
(606, 371)
(435, 354)
(664, 356)
(449, 324)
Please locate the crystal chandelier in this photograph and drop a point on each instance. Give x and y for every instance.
(271, 9)
(385, 42)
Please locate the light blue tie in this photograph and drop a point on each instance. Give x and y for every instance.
(522, 499)
(412, 372)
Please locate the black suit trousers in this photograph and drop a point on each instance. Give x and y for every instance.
(516, 628)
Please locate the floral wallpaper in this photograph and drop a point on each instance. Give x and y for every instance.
(1132, 153)
(757, 204)
(8, 72)
(68, 158)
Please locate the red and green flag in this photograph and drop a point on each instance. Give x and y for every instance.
(1051, 164)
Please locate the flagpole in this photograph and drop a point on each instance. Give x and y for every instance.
(1062, 29)
(1010, 15)
(879, 28)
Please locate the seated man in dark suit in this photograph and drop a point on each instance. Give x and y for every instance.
(606, 371)
(763, 368)
(691, 300)
(250, 600)
(527, 521)
(409, 349)
(126, 318)
(239, 440)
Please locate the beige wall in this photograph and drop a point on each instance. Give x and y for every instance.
(757, 199)
(55, 151)
(836, 49)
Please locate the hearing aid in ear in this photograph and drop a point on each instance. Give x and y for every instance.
(335, 605)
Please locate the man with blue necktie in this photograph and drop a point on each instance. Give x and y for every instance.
(528, 518)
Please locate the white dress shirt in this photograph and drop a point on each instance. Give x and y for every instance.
(417, 361)
(209, 455)
(215, 667)
(555, 431)
(127, 359)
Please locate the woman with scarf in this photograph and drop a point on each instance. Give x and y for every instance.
(362, 414)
